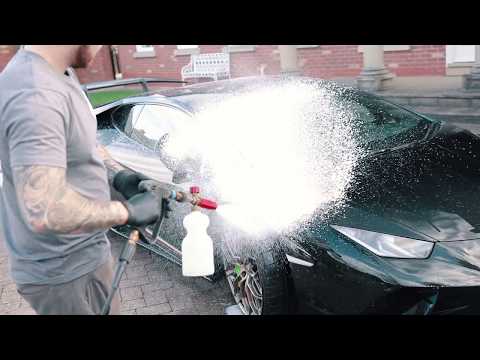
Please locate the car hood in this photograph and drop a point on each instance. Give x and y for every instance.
(427, 224)
(429, 192)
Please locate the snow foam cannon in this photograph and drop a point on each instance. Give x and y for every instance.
(197, 246)
(169, 192)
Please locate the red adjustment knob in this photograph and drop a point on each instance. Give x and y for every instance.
(207, 204)
(194, 190)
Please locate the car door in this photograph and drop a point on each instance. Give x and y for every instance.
(144, 128)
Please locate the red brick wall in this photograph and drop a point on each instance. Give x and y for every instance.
(330, 61)
(419, 60)
(264, 60)
(325, 61)
(167, 64)
(100, 70)
(164, 64)
(6, 53)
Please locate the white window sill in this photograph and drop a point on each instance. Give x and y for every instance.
(183, 52)
(461, 64)
(239, 48)
(307, 46)
(144, 54)
(389, 48)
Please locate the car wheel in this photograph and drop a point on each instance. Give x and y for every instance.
(257, 280)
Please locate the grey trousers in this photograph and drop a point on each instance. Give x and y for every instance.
(83, 296)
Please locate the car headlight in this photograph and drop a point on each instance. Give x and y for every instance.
(386, 245)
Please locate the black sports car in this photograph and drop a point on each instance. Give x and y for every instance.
(407, 240)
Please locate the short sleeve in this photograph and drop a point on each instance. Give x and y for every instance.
(36, 129)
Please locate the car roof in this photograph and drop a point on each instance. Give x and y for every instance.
(239, 84)
(185, 95)
(191, 96)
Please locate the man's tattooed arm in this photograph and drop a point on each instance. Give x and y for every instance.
(50, 205)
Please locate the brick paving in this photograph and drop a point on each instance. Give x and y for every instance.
(151, 286)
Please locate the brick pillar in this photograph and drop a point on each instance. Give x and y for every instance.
(288, 59)
(374, 76)
(472, 80)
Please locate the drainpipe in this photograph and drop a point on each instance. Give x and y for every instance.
(115, 62)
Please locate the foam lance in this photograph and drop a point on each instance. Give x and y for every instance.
(197, 246)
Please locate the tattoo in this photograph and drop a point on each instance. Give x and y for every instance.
(50, 205)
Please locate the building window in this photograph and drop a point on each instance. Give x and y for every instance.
(187, 50)
(183, 47)
(239, 48)
(144, 48)
(460, 54)
(306, 46)
(389, 48)
(144, 51)
(459, 59)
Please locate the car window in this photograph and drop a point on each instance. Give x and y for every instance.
(123, 117)
(150, 124)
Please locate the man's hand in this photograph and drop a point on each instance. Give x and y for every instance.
(126, 182)
(143, 209)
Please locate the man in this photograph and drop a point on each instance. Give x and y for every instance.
(55, 193)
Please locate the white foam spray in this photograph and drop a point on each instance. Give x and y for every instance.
(274, 154)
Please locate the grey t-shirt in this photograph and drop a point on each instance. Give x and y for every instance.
(45, 119)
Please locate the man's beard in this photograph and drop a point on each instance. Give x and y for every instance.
(82, 58)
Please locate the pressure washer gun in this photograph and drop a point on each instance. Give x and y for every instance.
(165, 193)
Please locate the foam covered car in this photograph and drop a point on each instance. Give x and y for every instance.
(406, 242)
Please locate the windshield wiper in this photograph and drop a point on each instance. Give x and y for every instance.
(429, 128)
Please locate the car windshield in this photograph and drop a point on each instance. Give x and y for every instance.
(376, 123)
(379, 124)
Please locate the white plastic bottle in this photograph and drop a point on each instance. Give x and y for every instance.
(197, 246)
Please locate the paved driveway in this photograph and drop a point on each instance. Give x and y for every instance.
(150, 286)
